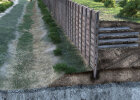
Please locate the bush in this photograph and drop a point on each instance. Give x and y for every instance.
(5, 5)
(109, 3)
(123, 3)
(61, 67)
(57, 52)
(131, 9)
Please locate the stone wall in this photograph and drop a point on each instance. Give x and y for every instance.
(123, 91)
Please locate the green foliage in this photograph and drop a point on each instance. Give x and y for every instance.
(57, 52)
(123, 2)
(61, 67)
(109, 3)
(5, 5)
(131, 9)
(110, 14)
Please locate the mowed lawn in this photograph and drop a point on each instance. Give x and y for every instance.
(108, 14)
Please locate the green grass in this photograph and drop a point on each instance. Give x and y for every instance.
(8, 28)
(109, 14)
(62, 67)
(24, 55)
(4, 5)
(70, 55)
(57, 52)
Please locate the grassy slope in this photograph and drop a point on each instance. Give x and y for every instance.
(105, 13)
(7, 28)
(24, 52)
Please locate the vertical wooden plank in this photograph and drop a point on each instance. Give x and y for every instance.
(77, 25)
(94, 42)
(88, 35)
(97, 39)
(65, 25)
(70, 20)
(67, 17)
(74, 22)
(84, 18)
(75, 13)
(65, 10)
(80, 27)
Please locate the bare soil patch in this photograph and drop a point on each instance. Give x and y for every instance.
(119, 58)
(104, 76)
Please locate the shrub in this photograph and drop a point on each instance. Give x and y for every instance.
(109, 3)
(131, 9)
(61, 67)
(57, 52)
(123, 3)
(5, 5)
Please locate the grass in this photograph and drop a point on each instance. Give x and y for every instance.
(24, 52)
(70, 56)
(109, 14)
(62, 67)
(4, 5)
(8, 28)
(57, 52)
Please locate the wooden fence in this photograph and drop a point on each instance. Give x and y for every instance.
(80, 24)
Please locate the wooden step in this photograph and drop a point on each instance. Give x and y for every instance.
(127, 40)
(118, 46)
(118, 35)
(114, 28)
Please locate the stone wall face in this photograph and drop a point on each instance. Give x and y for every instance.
(123, 91)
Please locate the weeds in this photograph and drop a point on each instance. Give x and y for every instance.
(57, 52)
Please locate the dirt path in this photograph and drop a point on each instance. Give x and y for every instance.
(43, 53)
